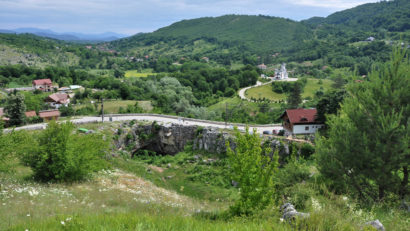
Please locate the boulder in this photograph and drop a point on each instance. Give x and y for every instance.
(289, 212)
(376, 224)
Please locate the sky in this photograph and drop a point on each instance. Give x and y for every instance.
(134, 16)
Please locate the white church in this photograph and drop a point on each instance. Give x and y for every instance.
(282, 73)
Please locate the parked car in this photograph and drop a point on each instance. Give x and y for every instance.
(267, 132)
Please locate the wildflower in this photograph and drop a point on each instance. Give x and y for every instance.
(62, 222)
(315, 204)
(281, 219)
(33, 192)
(68, 219)
(28, 214)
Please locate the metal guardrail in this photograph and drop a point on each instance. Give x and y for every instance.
(43, 125)
(191, 119)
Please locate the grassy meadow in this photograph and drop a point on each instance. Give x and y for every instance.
(188, 191)
(137, 74)
(309, 90)
(113, 107)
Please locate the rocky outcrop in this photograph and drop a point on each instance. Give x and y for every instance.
(172, 138)
(376, 224)
(289, 213)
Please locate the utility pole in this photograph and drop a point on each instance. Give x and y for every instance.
(226, 115)
(102, 110)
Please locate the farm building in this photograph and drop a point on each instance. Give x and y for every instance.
(300, 121)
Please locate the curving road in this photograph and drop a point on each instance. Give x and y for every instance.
(163, 119)
(242, 92)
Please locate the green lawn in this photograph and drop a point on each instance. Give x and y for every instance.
(136, 74)
(113, 107)
(309, 91)
(264, 91)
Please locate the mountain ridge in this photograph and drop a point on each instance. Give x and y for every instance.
(67, 36)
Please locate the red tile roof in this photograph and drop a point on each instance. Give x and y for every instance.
(31, 113)
(301, 116)
(50, 113)
(42, 82)
(59, 97)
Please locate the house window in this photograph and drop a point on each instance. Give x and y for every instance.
(307, 128)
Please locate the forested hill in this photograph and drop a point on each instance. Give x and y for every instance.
(254, 33)
(393, 16)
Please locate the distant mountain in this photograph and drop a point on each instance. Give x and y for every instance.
(393, 16)
(254, 33)
(68, 36)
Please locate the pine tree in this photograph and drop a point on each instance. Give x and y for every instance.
(367, 150)
(15, 109)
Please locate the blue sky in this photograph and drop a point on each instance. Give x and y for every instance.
(133, 16)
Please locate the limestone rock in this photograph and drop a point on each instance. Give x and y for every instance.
(376, 224)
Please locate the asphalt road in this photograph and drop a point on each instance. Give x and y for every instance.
(160, 119)
(242, 91)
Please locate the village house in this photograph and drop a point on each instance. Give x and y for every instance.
(262, 66)
(30, 114)
(43, 85)
(57, 100)
(49, 115)
(300, 121)
(2, 115)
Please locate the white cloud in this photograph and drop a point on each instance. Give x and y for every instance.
(127, 16)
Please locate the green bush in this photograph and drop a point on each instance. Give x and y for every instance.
(254, 172)
(61, 155)
(306, 150)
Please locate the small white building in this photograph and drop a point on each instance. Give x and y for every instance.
(281, 73)
(300, 121)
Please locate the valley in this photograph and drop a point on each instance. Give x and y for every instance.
(229, 122)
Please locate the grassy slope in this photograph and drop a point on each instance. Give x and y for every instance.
(126, 200)
(258, 33)
(33, 51)
(113, 107)
(266, 91)
(137, 74)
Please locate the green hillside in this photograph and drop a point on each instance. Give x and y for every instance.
(392, 16)
(255, 33)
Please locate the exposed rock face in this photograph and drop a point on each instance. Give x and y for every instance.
(376, 224)
(290, 213)
(172, 138)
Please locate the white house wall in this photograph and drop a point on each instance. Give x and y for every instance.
(301, 129)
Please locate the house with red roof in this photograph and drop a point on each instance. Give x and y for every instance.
(262, 66)
(49, 115)
(30, 114)
(3, 115)
(57, 100)
(300, 121)
(43, 85)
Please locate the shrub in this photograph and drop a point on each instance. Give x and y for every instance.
(61, 155)
(306, 150)
(254, 172)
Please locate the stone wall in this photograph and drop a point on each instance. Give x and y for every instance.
(169, 139)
